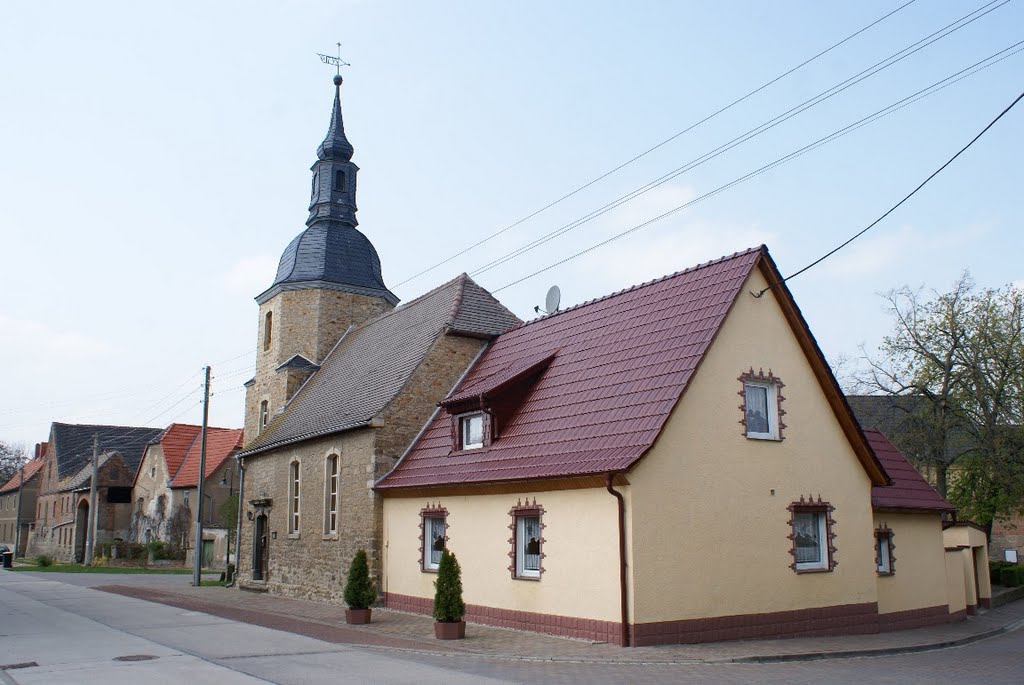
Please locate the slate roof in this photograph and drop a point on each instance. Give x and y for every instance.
(908, 490)
(619, 366)
(904, 419)
(31, 468)
(330, 253)
(72, 444)
(81, 478)
(371, 363)
(221, 443)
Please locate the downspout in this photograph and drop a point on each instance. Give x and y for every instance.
(623, 600)
(238, 525)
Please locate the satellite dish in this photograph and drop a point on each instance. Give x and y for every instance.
(553, 299)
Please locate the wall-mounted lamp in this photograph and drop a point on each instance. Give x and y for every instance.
(248, 515)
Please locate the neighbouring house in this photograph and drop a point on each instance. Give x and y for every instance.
(671, 463)
(922, 574)
(344, 381)
(165, 490)
(18, 503)
(1007, 542)
(62, 506)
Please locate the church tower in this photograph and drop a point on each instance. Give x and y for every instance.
(329, 279)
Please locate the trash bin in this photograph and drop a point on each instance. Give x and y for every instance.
(8, 558)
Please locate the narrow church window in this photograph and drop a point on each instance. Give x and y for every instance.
(268, 330)
(331, 499)
(264, 414)
(762, 400)
(339, 179)
(293, 507)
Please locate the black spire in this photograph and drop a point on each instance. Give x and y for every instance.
(333, 196)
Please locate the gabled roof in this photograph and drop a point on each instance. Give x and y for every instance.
(221, 443)
(31, 468)
(908, 489)
(72, 444)
(622, 363)
(176, 442)
(371, 364)
(82, 478)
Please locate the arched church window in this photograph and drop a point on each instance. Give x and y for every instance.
(268, 330)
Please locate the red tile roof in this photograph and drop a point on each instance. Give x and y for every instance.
(176, 442)
(221, 443)
(622, 363)
(908, 490)
(31, 468)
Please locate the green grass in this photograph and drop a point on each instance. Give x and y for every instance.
(213, 583)
(77, 568)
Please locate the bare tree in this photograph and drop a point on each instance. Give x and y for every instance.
(12, 456)
(960, 357)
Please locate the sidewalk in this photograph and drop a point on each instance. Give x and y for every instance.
(398, 630)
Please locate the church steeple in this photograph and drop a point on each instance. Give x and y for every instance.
(333, 195)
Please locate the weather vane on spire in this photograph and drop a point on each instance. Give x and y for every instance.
(338, 62)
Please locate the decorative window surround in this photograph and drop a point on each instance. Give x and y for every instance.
(825, 534)
(332, 495)
(527, 564)
(773, 399)
(885, 558)
(430, 515)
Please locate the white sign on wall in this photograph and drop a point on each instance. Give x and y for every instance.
(1010, 555)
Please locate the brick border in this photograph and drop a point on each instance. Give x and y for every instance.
(883, 532)
(517, 511)
(830, 533)
(431, 511)
(564, 626)
(769, 379)
(914, 618)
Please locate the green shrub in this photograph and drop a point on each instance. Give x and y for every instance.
(359, 590)
(1011, 576)
(994, 569)
(448, 604)
(44, 560)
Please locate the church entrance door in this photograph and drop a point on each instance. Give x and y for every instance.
(259, 548)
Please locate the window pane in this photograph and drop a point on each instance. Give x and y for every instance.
(883, 554)
(472, 431)
(529, 542)
(807, 529)
(435, 539)
(757, 408)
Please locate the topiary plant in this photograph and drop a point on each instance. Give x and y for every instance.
(359, 590)
(448, 604)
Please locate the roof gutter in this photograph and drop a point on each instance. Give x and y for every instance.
(623, 599)
(437, 410)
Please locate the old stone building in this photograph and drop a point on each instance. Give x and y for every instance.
(62, 507)
(18, 503)
(164, 493)
(344, 381)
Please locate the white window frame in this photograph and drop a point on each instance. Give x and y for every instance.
(264, 417)
(771, 408)
(429, 523)
(883, 552)
(464, 423)
(823, 542)
(294, 502)
(332, 494)
(521, 541)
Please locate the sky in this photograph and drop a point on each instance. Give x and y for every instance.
(154, 163)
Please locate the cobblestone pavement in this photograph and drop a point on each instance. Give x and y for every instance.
(394, 629)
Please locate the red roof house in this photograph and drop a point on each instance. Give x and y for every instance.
(908, 491)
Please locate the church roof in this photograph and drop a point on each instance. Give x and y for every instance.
(330, 255)
(72, 444)
(600, 380)
(372, 363)
(336, 146)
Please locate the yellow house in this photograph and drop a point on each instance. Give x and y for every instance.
(671, 463)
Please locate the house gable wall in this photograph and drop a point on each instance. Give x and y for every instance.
(153, 519)
(708, 522)
(919, 580)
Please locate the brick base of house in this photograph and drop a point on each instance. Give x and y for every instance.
(565, 626)
(847, 619)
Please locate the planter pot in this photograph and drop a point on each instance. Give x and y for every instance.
(357, 616)
(454, 630)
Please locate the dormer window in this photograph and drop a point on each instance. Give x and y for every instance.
(471, 431)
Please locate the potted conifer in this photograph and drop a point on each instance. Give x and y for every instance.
(359, 590)
(448, 605)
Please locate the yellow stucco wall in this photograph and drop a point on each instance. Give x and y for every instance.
(955, 581)
(709, 521)
(977, 584)
(580, 567)
(919, 581)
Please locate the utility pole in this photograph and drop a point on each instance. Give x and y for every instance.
(17, 514)
(90, 525)
(197, 553)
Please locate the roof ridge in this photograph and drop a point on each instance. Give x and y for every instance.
(453, 311)
(404, 306)
(646, 284)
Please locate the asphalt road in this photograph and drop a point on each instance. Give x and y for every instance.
(79, 635)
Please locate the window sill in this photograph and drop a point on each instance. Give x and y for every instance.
(463, 452)
(813, 570)
(535, 579)
(293, 536)
(329, 536)
(886, 573)
(428, 570)
(762, 437)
